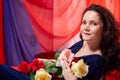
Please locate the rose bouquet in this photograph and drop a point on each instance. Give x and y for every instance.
(45, 69)
(41, 69)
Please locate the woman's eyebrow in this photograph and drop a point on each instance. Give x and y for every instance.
(91, 21)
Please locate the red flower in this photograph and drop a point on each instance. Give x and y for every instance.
(75, 59)
(36, 64)
(55, 77)
(24, 67)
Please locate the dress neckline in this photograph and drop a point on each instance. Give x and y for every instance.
(89, 55)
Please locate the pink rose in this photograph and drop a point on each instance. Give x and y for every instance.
(66, 56)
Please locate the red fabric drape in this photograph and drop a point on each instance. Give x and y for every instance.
(56, 21)
(2, 57)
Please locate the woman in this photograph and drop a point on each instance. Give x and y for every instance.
(99, 46)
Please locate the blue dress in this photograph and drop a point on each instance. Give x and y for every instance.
(95, 62)
(7, 73)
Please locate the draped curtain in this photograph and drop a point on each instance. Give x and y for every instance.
(19, 40)
(2, 56)
(34, 26)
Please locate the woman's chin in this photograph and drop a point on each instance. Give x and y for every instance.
(86, 39)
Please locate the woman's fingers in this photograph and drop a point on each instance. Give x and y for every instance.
(65, 65)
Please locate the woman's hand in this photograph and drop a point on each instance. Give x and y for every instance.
(67, 73)
(65, 60)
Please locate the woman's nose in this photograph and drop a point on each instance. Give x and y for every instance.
(87, 27)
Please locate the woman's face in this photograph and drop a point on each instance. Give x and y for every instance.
(92, 26)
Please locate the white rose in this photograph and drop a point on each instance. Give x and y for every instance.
(41, 74)
(80, 69)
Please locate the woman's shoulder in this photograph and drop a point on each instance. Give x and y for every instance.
(93, 60)
(75, 47)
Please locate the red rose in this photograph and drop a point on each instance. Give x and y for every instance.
(75, 59)
(55, 77)
(36, 64)
(24, 67)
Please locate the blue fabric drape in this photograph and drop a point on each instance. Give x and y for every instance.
(19, 39)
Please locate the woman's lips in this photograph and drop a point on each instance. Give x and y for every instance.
(87, 33)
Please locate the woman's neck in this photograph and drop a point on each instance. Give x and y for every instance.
(93, 46)
(89, 48)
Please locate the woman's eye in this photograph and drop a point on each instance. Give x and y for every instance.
(94, 24)
(83, 22)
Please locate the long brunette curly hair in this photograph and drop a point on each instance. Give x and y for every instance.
(110, 45)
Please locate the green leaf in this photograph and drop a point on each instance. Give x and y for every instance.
(31, 75)
(57, 54)
(53, 70)
(60, 76)
(59, 72)
(49, 64)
